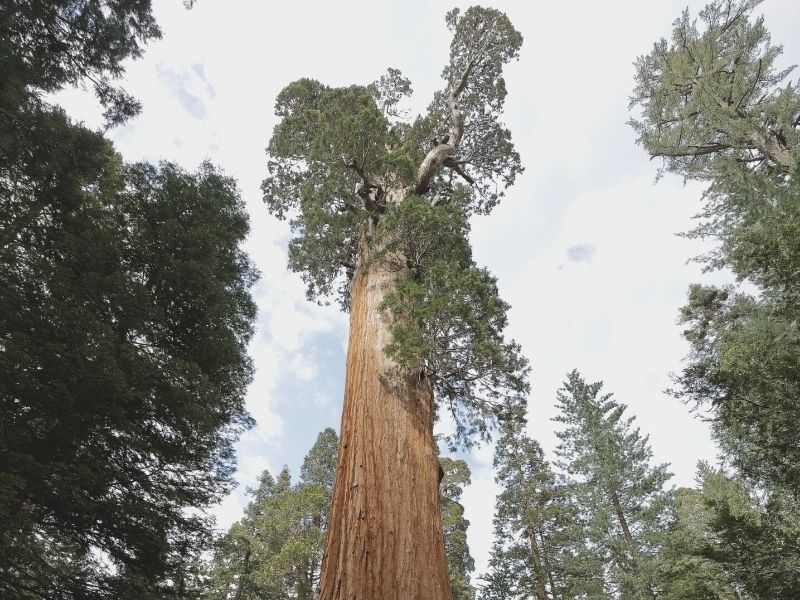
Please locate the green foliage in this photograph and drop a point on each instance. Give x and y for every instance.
(688, 568)
(344, 167)
(710, 97)
(717, 109)
(324, 135)
(275, 551)
(126, 317)
(745, 362)
(448, 317)
(713, 106)
(459, 561)
(530, 523)
(621, 497)
(726, 543)
(756, 539)
(46, 45)
(126, 314)
(486, 38)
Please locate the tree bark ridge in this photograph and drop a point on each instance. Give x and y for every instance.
(385, 537)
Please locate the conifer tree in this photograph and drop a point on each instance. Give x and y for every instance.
(733, 543)
(380, 209)
(715, 106)
(126, 315)
(690, 567)
(619, 494)
(275, 550)
(529, 523)
(124, 330)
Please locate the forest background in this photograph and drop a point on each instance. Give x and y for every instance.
(584, 247)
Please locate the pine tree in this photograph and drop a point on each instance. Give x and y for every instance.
(529, 523)
(619, 494)
(275, 550)
(380, 207)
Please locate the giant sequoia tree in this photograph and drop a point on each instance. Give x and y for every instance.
(380, 208)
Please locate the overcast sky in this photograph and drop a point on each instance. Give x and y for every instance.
(584, 245)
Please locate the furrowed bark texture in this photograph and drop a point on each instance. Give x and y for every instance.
(384, 533)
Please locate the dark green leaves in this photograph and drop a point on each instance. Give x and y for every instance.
(47, 45)
(744, 365)
(448, 318)
(123, 340)
(339, 154)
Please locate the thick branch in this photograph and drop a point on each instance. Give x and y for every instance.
(437, 156)
(456, 166)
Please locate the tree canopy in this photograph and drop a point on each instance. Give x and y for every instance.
(126, 316)
(715, 107)
(360, 183)
(124, 347)
(712, 96)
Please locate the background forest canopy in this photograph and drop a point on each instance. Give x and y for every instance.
(128, 309)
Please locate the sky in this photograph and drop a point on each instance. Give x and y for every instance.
(584, 245)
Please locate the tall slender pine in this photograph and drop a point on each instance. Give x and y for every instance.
(620, 494)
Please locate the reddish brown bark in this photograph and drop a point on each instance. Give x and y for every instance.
(384, 537)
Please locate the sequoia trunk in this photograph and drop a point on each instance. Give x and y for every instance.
(384, 538)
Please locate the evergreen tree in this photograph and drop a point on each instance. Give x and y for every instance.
(380, 207)
(619, 495)
(126, 315)
(530, 519)
(456, 476)
(275, 550)
(690, 569)
(715, 90)
(124, 331)
(755, 537)
(716, 108)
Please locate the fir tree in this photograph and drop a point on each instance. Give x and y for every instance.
(714, 105)
(619, 494)
(529, 523)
